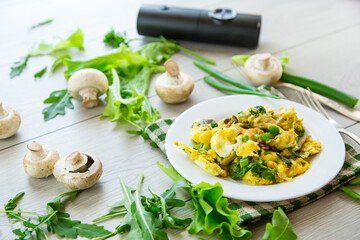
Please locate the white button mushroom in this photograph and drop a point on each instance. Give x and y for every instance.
(78, 170)
(39, 162)
(9, 121)
(88, 84)
(173, 86)
(263, 69)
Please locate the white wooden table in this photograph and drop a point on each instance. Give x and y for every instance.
(322, 38)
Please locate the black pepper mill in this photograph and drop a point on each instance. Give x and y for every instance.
(222, 25)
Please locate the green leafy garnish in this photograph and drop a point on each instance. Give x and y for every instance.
(280, 229)
(56, 221)
(274, 130)
(211, 212)
(201, 147)
(19, 66)
(244, 162)
(75, 40)
(58, 62)
(214, 125)
(300, 133)
(245, 138)
(236, 171)
(145, 216)
(42, 23)
(114, 39)
(40, 73)
(240, 59)
(284, 59)
(59, 100)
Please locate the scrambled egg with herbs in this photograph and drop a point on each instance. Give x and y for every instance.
(257, 145)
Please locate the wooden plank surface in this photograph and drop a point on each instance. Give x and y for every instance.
(322, 39)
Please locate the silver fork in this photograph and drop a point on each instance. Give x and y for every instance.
(307, 98)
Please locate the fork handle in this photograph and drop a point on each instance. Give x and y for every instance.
(350, 134)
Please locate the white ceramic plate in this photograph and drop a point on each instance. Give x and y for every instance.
(323, 166)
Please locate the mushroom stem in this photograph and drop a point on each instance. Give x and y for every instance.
(36, 151)
(263, 61)
(75, 162)
(89, 96)
(173, 71)
(3, 112)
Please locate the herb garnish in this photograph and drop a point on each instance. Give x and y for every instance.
(59, 100)
(40, 73)
(56, 221)
(114, 39)
(42, 23)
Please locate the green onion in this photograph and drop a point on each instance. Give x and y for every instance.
(265, 137)
(351, 193)
(244, 162)
(196, 55)
(245, 138)
(355, 181)
(223, 87)
(274, 130)
(221, 76)
(320, 88)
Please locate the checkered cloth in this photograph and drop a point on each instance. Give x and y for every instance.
(253, 211)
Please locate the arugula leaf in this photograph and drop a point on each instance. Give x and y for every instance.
(171, 172)
(40, 73)
(280, 229)
(11, 204)
(59, 61)
(351, 193)
(114, 39)
(75, 40)
(19, 66)
(146, 219)
(59, 100)
(42, 23)
(90, 231)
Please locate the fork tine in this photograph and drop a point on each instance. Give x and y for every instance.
(318, 104)
(303, 98)
(311, 98)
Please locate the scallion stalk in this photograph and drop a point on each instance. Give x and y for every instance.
(217, 74)
(223, 87)
(320, 88)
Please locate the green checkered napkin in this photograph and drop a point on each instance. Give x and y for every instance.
(253, 211)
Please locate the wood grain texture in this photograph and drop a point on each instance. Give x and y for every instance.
(321, 38)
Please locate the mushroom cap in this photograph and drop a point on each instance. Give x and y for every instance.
(9, 121)
(77, 180)
(263, 69)
(39, 162)
(85, 79)
(170, 92)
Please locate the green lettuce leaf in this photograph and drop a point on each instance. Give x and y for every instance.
(122, 57)
(211, 211)
(75, 40)
(158, 52)
(280, 229)
(59, 61)
(240, 59)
